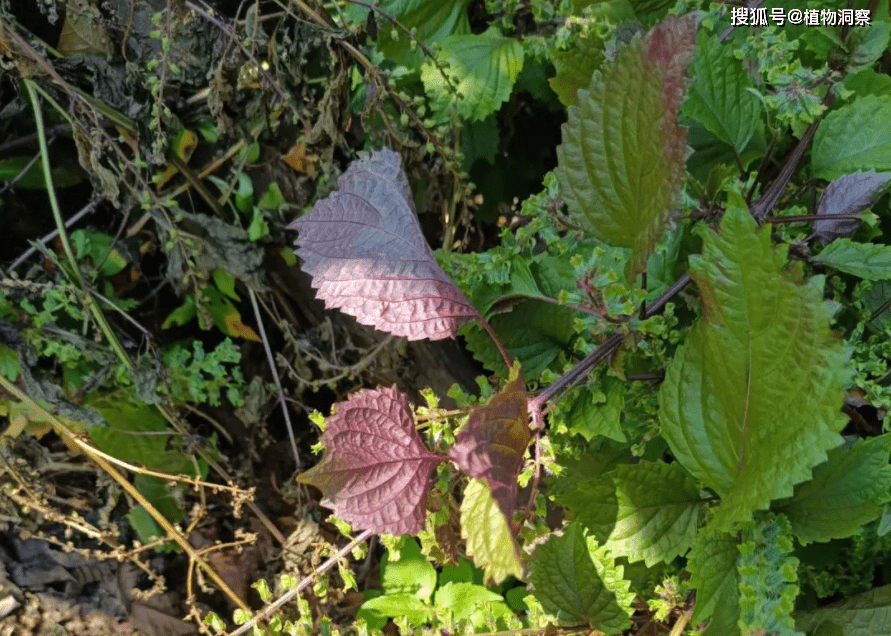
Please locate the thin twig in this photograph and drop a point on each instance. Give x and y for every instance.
(88, 208)
(278, 382)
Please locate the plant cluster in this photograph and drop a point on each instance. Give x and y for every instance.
(684, 313)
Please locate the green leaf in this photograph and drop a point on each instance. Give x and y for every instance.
(870, 261)
(866, 614)
(854, 138)
(258, 227)
(9, 363)
(575, 67)
(590, 415)
(377, 610)
(272, 199)
(768, 579)
(100, 248)
(712, 567)
(652, 515)
(488, 536)
(621, 163)
(244, 195)
(482, 68)
(225, 282)
(33, 179)
(479, 142)
(576, 582)
(431, 21)
(411, 574)
(182, 315)
(718, 98)
(760, 380)
(534, 333)
(845, 493)
(463, 598)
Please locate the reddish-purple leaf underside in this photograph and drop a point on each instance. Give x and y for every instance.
(847, 195)
(367, 256)
(492, 443)
(376, 470)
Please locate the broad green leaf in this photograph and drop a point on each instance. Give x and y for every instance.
(411, 574)
(712, 567)
(845, 493)
(377, 610)
(482, 69)
(431, 22)
(854, 138)
(576, 582)
(463, 598)
(575, 67)
(9, 363)
(870, 261)
(651, 515)
(868, 82)
(866, 614)
(768, 579)
(488, 536)
(590, 415)
(534, 333)
(718, 98)
(760, 380)
(621, 163)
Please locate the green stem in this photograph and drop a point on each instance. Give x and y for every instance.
(63, 234)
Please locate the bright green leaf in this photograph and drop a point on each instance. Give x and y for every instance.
(463, 598)
(101, 249)
(846, 492)
(854, 138)
(760, 380)
(244, 195)
(712, 567)
(657, 510)
(395, 606)
(272, 199)
(411, 574)
(621, 163)
(488, 536)
(718, 98)
(258, 227)
(182, 315)
(576, 582)
(225, 282)
(870, 261)
(590, 417)
(482, 68)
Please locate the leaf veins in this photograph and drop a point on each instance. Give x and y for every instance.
(492, 443)
(367, 256)
(376, 470)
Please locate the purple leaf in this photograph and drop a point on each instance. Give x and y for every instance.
(847, 195)
(376, 470)
(492, 443)
(367, 256)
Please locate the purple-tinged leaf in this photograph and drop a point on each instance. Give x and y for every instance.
(492, 443)
(376, 470)
(621, 163)
(845, 196)
(367, 256)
